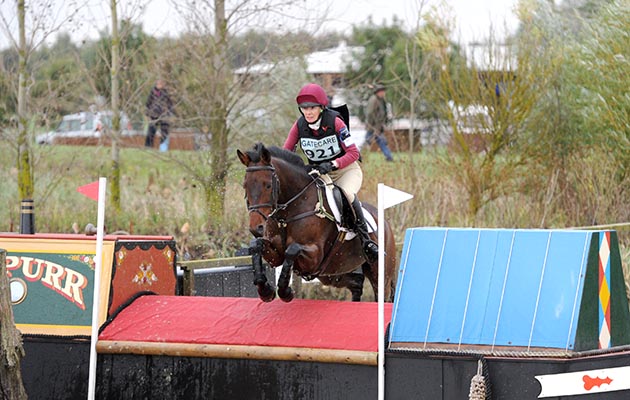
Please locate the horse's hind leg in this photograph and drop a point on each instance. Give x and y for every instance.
(284, 290)
(371, 272)
(265, 291)
(356, 285)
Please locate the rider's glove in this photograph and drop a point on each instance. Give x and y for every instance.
(323, 168)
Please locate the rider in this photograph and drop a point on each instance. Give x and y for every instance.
(329, 148)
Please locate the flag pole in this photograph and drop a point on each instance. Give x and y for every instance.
(98, 260)
(381, 293)
(387, 197)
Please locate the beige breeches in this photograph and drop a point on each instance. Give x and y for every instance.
(349, 179)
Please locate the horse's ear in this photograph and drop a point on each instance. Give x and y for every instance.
(243, 157)
(265, 155)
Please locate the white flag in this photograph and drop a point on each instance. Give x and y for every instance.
(392, 196)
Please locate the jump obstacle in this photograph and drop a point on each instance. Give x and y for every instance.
(517, 313)
(171, 347)
(527, 306)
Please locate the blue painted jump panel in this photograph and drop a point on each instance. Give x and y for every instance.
(497, 287)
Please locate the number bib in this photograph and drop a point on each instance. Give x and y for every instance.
(318, 150)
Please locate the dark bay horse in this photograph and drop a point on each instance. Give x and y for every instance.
(287, 216)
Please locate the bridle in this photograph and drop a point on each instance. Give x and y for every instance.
(275, 193)
(282, 222)
(275, 189)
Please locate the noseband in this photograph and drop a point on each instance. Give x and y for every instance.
(275, 192)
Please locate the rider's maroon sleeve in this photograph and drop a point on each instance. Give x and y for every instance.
(292, 139)
(351, 152)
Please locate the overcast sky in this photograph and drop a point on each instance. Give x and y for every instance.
(473, 17)
(159, 18)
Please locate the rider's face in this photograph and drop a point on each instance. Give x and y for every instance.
(311, 114)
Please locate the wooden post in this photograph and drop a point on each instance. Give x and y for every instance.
(189, 281)
(27, 217)
(11, 350)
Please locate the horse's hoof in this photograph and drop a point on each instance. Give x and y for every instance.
(266, 294)
(268, 298)
(286, 295)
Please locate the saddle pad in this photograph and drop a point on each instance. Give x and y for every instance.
(334, 209)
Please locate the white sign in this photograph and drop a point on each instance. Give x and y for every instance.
(584, 382)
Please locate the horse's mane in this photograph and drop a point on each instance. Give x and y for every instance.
(277, 152)
(286, 155)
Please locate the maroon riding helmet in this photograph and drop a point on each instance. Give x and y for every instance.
(312, 95)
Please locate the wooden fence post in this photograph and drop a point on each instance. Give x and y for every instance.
(11, 350)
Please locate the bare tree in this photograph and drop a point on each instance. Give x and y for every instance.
(11, 350)
(36, 22)
(416, 74)
(487, 104)
(26, 185)
(113, 57)
(115, 171)
(227, 107)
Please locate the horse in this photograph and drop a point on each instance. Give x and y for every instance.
(292, 228)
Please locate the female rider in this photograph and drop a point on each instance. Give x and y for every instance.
(329, 148)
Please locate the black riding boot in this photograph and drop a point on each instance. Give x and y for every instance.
(370, 248)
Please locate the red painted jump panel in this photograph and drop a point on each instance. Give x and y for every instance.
(322, 324)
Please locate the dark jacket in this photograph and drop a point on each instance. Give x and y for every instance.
(159, 105)
(325, 133)
(376, 113)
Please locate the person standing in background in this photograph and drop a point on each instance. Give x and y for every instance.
(159, 109)
(376, 116)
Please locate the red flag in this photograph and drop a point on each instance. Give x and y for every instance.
(90, 190)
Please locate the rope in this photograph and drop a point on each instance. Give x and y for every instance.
(478, 384)
(481, 361)
(476, 353)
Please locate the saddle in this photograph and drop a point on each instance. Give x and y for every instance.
(340, 210)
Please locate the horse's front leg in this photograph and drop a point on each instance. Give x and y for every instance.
(284, 290)
(265, 290)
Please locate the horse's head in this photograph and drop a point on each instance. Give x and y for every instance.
(261, 187)
(268, 170)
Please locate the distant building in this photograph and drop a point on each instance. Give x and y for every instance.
(491, 56)
(327, 67)
(495, 62)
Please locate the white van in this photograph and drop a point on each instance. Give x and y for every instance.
(84, 124)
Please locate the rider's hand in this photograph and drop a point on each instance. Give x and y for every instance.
(323, 168)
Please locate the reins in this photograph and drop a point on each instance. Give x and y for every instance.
(275, 190)
(283, 222)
